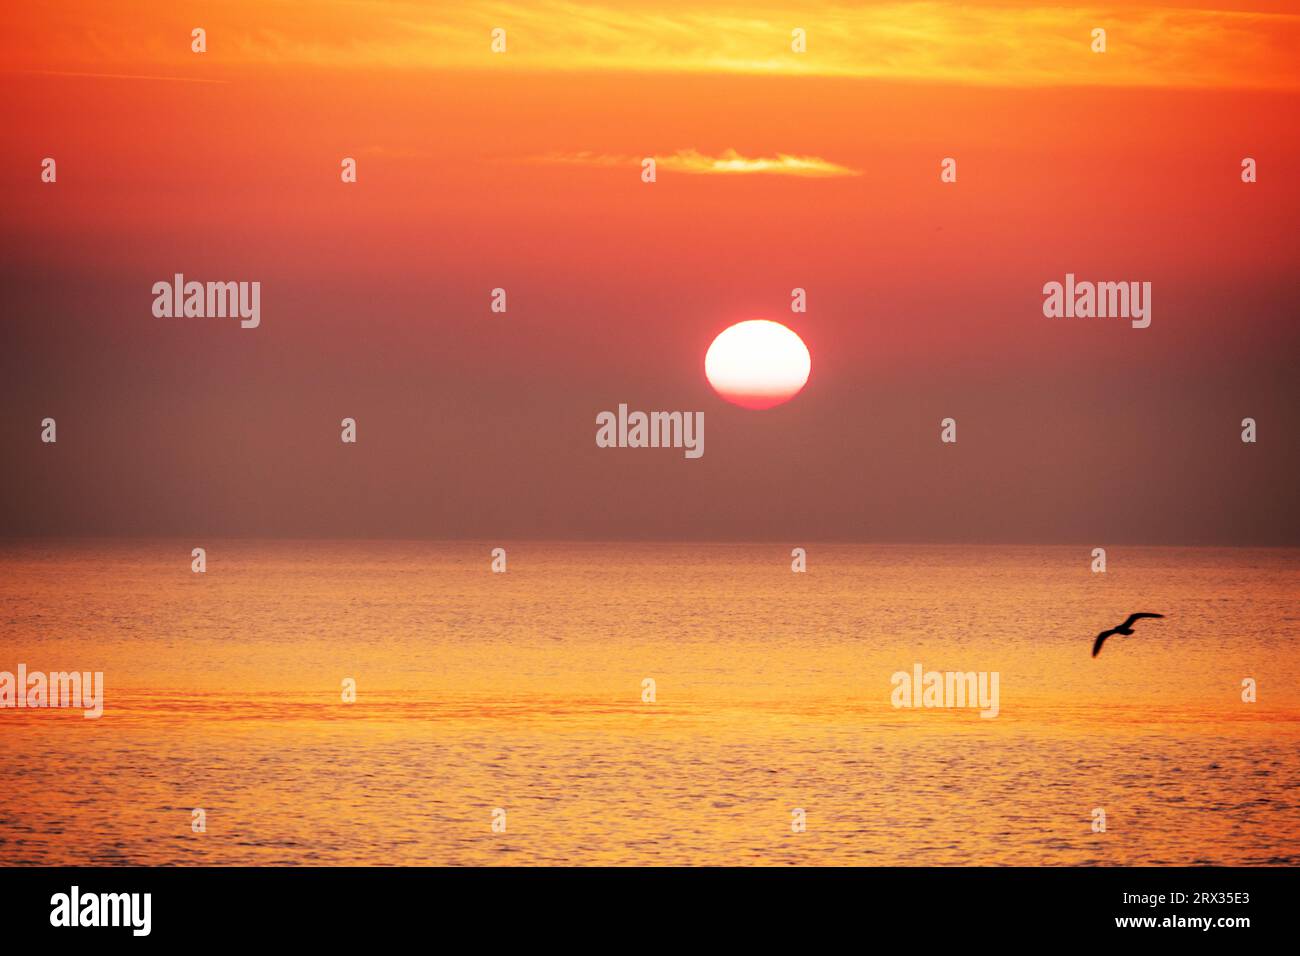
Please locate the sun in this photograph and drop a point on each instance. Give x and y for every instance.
(757, 364)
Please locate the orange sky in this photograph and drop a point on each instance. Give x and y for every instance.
(1228, 44)
(521, 170)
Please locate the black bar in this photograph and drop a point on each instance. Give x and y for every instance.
(489, 905)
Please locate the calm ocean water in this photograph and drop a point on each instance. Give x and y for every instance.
(523, 691)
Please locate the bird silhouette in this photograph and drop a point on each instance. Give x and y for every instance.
(1126, 629)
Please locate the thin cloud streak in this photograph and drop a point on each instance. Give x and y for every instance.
(121, 76)
(693, 162)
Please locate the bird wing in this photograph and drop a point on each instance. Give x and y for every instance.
(1138, 616)
(1101, 639)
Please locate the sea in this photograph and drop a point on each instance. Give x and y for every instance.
(604, 703)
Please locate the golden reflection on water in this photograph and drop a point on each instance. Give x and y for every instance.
(523, 691)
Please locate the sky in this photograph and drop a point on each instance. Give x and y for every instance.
(776, 170)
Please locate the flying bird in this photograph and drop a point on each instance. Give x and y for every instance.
(1126, 629)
